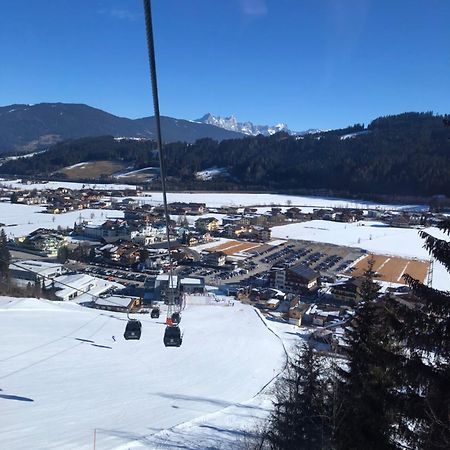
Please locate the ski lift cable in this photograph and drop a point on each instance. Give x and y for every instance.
(162, 165)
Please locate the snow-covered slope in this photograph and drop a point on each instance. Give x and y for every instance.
(64, 377)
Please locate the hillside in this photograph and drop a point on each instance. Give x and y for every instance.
(32, 127)
(67, 365)
(407, 155)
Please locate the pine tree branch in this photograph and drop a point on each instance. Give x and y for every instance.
(439, 248)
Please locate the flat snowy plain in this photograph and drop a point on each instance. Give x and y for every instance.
(218, 199)
(64, 184)
(64, 376)
(23, 219)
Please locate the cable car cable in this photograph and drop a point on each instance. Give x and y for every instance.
(172, 335)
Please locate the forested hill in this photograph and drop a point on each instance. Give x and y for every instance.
(406, 154)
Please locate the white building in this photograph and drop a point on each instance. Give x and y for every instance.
(35, 271)
(81, 286)
(119, 303)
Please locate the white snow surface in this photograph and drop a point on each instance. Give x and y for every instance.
(133, 172)
(218, 199)
(64, 184)
(21, 220)
(63, 376)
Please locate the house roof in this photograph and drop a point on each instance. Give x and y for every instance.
(39, 267)
(115, 300)
(304, 272)
(191, 281)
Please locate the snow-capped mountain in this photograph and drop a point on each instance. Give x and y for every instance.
(231, 123)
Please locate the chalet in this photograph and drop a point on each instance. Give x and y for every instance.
(207, 224)
(27, 198)
(295, 214)
(348, 291)
(186, 208)
(215, 258)
(296, 312)
(321, 213)
(233, 230)
(190, 239)
(261, 233)
(236, 220)
(294, 279)
(321, 315)
(43, 241)
(126, 253)
(345, 215)
(276, 216)
(400, 221)
(108, 231)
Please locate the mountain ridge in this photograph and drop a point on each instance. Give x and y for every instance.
(248, 128)
(30, 127)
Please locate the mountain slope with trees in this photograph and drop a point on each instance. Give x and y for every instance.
(407, 154)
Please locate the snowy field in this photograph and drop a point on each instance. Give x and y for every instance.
(65, 184)
(20, 220)
(218, 199)
(373, 236)
(63, 376)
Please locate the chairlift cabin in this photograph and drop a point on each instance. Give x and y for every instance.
(154, 313)
(133, 329)
(172, 337)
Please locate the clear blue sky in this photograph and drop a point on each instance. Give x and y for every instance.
(308, 63)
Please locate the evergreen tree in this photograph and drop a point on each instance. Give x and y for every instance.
(5, 256)
(425, 330)
(366, 417)
(300, 419)
(143, 254)
(63, 254)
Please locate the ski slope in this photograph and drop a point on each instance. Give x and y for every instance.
(63, 376)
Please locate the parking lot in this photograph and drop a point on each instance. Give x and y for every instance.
(327, 259)
(126, 277)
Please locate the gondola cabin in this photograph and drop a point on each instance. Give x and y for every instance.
(172, 337)
(154, 313)
(176, 318)
(133, 330)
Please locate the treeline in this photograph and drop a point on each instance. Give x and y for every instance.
(406, 154)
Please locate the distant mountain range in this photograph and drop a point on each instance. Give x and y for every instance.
(26, 128)
(248, 128)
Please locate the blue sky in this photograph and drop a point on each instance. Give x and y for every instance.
(308, 63)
